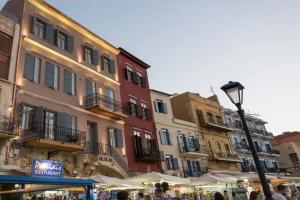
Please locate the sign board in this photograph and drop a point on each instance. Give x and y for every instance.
(47, 168)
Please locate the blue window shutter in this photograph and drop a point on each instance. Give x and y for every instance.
(70, 44)
(50, 33)
(112, 66)
(29, 66)
(119, 138)
(49, 75)
(95, 57)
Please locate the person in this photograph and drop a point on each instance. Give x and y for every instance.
(158, 194)
(234, 197)
(123, 195)
(253, 195)
(298, 189)
(140, 196)
(219, 196)
(294, 194)
(281, 193)
(226, 197)
(148, 197)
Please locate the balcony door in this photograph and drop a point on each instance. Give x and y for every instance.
(109, 97)
(183, 143)
(92, 137)
(90, 92)
(50, 125)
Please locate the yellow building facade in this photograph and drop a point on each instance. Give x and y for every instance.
(207, 114)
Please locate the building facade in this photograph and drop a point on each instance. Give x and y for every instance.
(288, 144)
(262, 140)
(184, 153)
(139, 128)
(207, 114)
(68, 96)
(9, 40)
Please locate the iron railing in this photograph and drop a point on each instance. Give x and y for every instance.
(101, 101)
(217, 122)
(190, 147)
(248, 168)
(241, 146)
(225, 155)
(8, 125)
(148, 154)
(194, 172)
(54, 133)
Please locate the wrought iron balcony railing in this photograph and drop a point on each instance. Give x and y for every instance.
(8, 125)
(248, 168)
(54, 133)
(147, 154)
(194, 172)
(101, 101)
(190, 147)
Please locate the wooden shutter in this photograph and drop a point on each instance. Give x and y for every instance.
(119, 138)
(50, 33)
(175, 163)
(168, 137)
(29, 67)
(68, 81)
(33, 22)
(155, 106)
(38, 118)
(88, 87)
(196, 143)
(165, 108)
(161, 137)
(70, 43)
(112, 66)
(95, 57)
(49, 75)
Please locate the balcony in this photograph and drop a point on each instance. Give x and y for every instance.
(194, 173)
(271, 170)
(148, 155)
(8, 127)
(248, 168)
(228, 157)
(189, 150)
(105, 106)
(44, 135)
(275, 152)
(242, 147)
(218, 124)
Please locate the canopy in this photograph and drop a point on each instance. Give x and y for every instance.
(155, 177)
(212, 178)
(113, 182)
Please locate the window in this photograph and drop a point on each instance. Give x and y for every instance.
(69, 82)
(147, 141)
(52, 75)
(238, 124)
(219, 120)
(133, 107)
(210, 117)
(145, 114)
(115, 137)
(227, 148)
(137, 133)
(108, 65)
(26, 117)
(171, 163)
(50, 125)
(160, 106)
(165, 136)
(105, 63)
(40, 29)
(109, 100)
(294, 158)
(32, 68)
(88, 55)
(61, 40)
(128, 73)
(236, 141)
(138, 79)
(268, 148)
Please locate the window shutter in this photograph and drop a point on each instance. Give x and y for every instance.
(50, 33)
(139, 111)
(60, 120)
(33, 22)
(88, 87)
(70, 43)
(83, 52)
(125, 73)
(29, 67)
(144, 82)
(175, 163)
(49, 75)
(112, 66)
(135, 77)
(95, 57)
(67, 81)
(68, 126)
(196, 143)
(155, 106)
(38, 119)
(119, 138)
(165, 108)
(161, 137)
(168, 137)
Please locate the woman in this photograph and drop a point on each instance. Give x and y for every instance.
(253, 195)
(218, 196)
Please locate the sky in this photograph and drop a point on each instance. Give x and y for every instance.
(196, 45)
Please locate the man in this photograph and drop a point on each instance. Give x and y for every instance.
(226, 197)
(123, 195)
(298, 191)
(140, 196)
(281, 193)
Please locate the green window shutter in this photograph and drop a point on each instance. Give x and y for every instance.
(70, 44)
(38, 119)
(50, 33)
(67, 81)
(119, 138)
(112, 66)
(29, 66)
(33, 22)
(95, 57)
(88, 87)
(49, 75)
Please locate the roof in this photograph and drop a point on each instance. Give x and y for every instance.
(287, 137)
(134, 58)
(160, 92)
(44, 3)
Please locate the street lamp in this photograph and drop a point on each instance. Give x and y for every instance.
(234, 90)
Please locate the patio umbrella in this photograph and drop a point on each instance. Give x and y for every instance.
(155, 177)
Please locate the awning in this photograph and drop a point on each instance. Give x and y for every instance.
(155, 177)
(212, 178)
(45, 180)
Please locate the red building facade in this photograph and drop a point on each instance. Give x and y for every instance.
(139, 129)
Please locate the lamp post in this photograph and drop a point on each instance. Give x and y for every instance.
(234, 90)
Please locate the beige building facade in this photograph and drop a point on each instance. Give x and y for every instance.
(67, 99)
(184, 153)
(207, 114)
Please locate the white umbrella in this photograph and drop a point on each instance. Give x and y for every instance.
(155, 177)
(212, 178)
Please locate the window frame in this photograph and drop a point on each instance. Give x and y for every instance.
(40, 27)
(88, 55)
(62, 40)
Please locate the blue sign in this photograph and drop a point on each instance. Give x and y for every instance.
(47, 168)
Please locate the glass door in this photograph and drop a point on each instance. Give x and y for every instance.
(50, 125)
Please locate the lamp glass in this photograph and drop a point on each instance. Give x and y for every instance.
(234, 95)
